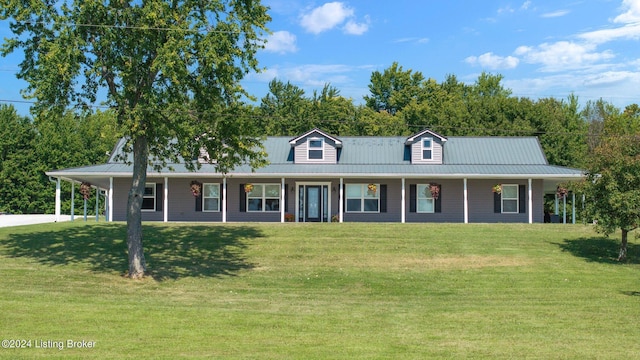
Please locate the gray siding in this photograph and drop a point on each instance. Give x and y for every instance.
(233, 203)
(182, 205)
(451, 197)
(394, 195)
(436, 154)
(330, 152)
(481, 202)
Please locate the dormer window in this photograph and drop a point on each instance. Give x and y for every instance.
(316, 149)
(427, 149)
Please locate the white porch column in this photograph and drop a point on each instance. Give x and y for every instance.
(73, 192)
(57, 200)
(530, 203)
(402, 203)
(564, 209)
(110, 199)
(97, 203)
(341, 205)
(165, 200)
(573, 208)
(224, 199)
(282, 200)
(465, 195)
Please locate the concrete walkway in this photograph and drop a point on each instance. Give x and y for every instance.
(19, 220)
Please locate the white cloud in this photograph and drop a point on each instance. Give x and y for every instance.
(525, 5)
(354, 28)
(562, 55)
(326, 17)
(493, 62)
(554, 14)
(330, 16)
(630, 32)
(632, 14)
(412, 40)
(281, 42)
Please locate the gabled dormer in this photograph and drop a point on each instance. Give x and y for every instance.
(315, 147)
(426, 147)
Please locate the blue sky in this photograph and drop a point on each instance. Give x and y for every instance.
(542, 48)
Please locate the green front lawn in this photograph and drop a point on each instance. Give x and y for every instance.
(323, 291)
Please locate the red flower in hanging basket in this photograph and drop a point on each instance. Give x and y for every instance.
(435, 190)
(85, 190)
(561, 192)
(196, 188)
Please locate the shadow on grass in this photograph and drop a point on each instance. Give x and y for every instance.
(600, 249)
(171, 252)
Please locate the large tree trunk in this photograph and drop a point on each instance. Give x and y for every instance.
(622, 256)
(137, 265)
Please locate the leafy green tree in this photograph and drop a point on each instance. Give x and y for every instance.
(21, 184)
(72, 140)
(331, 112)
(171, 71)
(562, 131)
(284, 110)
(394, 88)
(612, 187)
(595, 113)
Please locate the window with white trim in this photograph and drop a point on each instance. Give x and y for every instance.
(363, 197)
(264, 197)
(427, 149)
(424, 200)
(210, 197)
(315, 149)
(509, 199)
(149, 197)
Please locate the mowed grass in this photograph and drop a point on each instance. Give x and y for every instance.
(321, 291)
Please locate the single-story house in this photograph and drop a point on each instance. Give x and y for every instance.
(317, 177)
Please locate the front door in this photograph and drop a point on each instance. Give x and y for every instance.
(313, 210)
(313, 202)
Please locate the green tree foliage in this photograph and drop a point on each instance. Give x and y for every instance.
(612, 186)
(595, 113)
(284, 110)
(561, 130)
(21, 183)
(394, 88)
(171, 70)
(29, 149)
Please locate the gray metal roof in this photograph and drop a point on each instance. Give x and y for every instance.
(470, 157)
(493, 151)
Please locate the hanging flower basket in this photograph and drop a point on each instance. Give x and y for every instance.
(85, 190)
(434, 189)
(248, 188)
(371, 189)
(497, 188)
(196, 188)
(561, 192)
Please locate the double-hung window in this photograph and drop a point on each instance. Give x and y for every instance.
(316, 148)
(424, 199)
(427, 149)
(211, 197)
(363, 198)
(264, 197)
(510, 199)
(149, 197)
